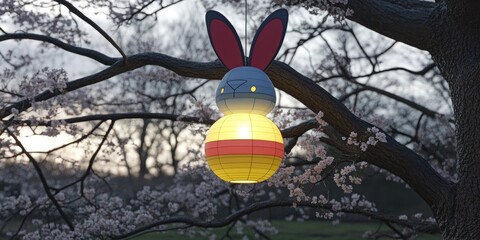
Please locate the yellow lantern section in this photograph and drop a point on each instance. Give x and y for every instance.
(244, 148)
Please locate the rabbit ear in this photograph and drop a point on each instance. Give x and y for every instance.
(225, 40)
(268, 39)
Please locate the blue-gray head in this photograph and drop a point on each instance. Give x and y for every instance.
(246, 88)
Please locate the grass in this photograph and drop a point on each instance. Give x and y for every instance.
(299, 230)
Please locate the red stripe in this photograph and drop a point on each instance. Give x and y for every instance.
(244, 147)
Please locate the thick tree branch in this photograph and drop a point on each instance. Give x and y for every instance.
(406, 21)
(300, 129)
(391, 156)
(119, 116)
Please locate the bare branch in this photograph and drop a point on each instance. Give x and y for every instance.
(43, 180)
(92, 158)
(420, 72)
(299, 129)
(99, 57)
(77, 12)
(412, 104)
(120, 116)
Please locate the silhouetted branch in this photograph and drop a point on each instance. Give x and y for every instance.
(97, 56)
(419, 225)
(43, 180)
(77, 12)
(119, 116)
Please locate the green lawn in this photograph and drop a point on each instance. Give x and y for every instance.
(300, 230)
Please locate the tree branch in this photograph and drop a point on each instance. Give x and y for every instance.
(99, 57)
(417, 225)
(428, 112)
(404, 20)
(392, 156)
(43, 180)
(300, 129)
(119, 116)
(212, 70)
(82, 16)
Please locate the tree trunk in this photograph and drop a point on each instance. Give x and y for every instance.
(463, 215)
(461, 220)
(457, 53)
(142, 151)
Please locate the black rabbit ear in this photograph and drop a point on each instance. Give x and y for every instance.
(225, 40)
(268, 39)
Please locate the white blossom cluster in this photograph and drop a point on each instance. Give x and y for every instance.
(44, 81)
(107, 215)
(341, 178)
(321, 122)
(338, 208)
(33, 19)
(375, 136)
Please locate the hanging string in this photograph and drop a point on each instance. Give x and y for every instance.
(246, 34)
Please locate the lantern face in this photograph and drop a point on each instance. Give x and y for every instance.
(245, 90)
(244, 148)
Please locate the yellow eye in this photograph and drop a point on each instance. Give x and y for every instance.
(222, 90)
(253, 89)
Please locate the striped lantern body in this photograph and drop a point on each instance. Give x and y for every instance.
(244, 148)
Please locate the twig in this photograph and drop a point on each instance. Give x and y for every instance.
(99, 57)
(94, 155)
(395, 229)
(93, 24)
(43, 180)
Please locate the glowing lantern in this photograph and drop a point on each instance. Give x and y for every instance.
(244, 146)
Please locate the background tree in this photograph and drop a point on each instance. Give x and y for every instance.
(341, 80)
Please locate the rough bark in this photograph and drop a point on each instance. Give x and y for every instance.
(457, 52)
(142, 151)
(406, 21)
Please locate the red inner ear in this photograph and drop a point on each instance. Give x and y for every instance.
(267, 44)
(226, 44)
